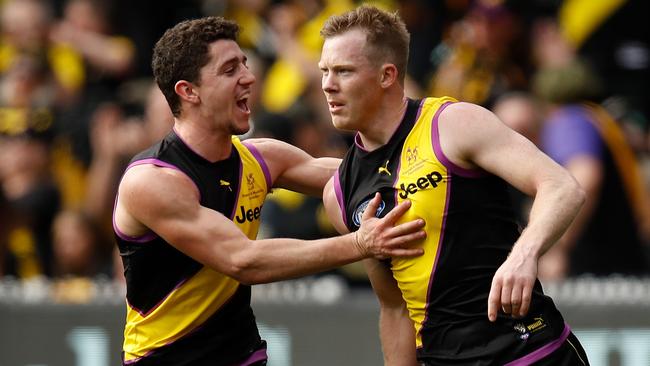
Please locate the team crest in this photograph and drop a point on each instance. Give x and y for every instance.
(522, 331)
(356, 218)
(411, 155)
(250, 180)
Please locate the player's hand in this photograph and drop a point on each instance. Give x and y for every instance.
(512, 286)
(380, 238)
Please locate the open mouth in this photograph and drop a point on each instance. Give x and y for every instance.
(242, 104)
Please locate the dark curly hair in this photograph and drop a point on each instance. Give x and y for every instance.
(183, 50)
(386, 35)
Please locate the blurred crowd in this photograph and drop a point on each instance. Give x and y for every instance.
(77, 101)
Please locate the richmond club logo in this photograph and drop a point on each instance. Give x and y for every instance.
(250, 180)
(356, 218)
(411, 155)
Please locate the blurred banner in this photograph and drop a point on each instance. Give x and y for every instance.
(313, 322)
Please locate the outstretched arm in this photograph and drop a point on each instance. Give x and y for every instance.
(396, 330)
(294, 169)
(472, 136)
(212, 239)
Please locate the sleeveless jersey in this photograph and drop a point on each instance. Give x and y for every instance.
(471, 227)
(180, 312)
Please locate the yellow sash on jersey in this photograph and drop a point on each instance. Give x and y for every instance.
(421, 171)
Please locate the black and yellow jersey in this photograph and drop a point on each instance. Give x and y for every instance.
(471, 227)
(180, 312)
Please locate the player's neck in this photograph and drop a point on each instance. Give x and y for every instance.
(211, 144)
(387, 120)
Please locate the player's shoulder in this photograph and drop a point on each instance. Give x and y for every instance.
(464, 111)
(150, 192)
(466, 117)
(145, 179)
(263, 142)
(276, 152)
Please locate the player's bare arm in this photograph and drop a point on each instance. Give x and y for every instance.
(588, 172)
(473, 137)
(293, 168)
(396, 330)
(165, 201)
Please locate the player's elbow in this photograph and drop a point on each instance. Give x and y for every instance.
(245, 269)
(574, 193)
(247, 278)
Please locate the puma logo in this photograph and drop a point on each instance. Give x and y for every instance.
(223, 183)
(384, 169)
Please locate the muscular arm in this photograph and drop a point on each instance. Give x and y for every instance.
(294, 169)
(588, 172)
(396, 330)
(471, 137)
(212, 239)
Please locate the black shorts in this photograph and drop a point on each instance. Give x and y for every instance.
(570, 353)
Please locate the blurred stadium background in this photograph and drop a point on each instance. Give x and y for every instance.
(316, 321)
(77, 101)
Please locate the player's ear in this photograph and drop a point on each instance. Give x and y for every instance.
(388, 75)
(186, 91)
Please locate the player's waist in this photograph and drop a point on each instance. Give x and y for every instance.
(475, 340)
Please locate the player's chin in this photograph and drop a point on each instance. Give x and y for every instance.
(240, 127)
(240, 131)
(347, 128)
(341, 123)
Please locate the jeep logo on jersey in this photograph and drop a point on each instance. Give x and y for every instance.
(356, 218)
(432, 179)
(248, 215)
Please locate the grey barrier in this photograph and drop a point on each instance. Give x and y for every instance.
(313, 322)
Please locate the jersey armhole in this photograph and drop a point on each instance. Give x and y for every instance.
(437, 149)
(339, 197)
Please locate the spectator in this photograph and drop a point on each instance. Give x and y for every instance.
(77, 260)
(256, 34)
(33, 198)
(521, 112)
(293, 79)
(107, 59)
(612, 38)
(25, 27)
(77, 243)
(87, 29)
(608, 235)
(480, 59)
